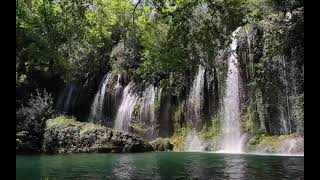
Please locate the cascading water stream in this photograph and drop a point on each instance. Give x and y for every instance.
(196, 97)
(232, 137)
(124, 114)
(97, 105)
(118, 87)
(64, 100)
(147, 110)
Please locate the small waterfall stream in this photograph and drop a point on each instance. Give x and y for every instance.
(65, 99)
(96, 114)
(124, 114)
(118, 91)
(196, 97)
(146, 116)
(232, 137)
(147, 111)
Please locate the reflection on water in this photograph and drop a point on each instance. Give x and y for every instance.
(123, 168)
(235, 166)
(159, 165)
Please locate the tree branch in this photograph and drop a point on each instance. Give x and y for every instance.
(133, 13)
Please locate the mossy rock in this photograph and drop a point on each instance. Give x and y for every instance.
(292, 143)
(162, 144)
(65, 135)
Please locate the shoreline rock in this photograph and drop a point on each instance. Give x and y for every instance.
(162, 144)
(64, 135)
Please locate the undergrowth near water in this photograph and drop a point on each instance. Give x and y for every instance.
(212, 131)
(179, 138)
(268, 144)
(250, 121)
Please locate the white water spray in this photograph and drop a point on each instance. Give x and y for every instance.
(147, 109)
(194, 143)
(97, 105)
(196, 96)
(64, 100)
(232, 138)
(118, 91)
(124, 114)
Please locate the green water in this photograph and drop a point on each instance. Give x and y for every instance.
(158, 165)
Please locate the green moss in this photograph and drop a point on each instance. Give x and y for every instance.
(165, 141)
(179, 114)
(179, 137)
(211, 132)
(61, 120)
(156, 106)
(162, 144)
(250, 121)
(70, 121)
(269, 144)
(90, 127)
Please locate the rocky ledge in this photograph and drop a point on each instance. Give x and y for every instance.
(65, 135)
(162, 144)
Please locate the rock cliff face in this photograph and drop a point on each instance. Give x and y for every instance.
(64, 135)
(271, 56)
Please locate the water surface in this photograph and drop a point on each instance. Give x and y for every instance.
(159, 165)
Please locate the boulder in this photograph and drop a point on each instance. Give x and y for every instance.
(72, 136)
(162, 144)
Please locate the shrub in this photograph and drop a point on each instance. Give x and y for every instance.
(32, 118)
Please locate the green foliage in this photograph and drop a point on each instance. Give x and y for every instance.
(179, 138)
(156, 106)
(73, 38)
(160, 42)
(184, 34)
(32, 118)
(250, 120)
(214, 130)
(179, 115)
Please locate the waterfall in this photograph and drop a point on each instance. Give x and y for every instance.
(118, 90)
(96, 114)
(232, 138)
(196, 97)
(124, 114)
(284, 127)
(194, 143)
(147, 110)
(64, 100)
